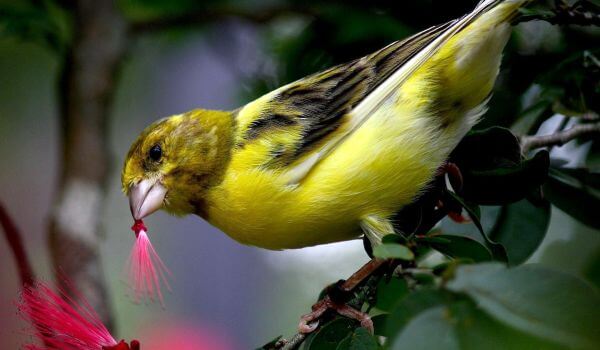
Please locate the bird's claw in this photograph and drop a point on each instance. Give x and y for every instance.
(362, 317)
(454, 175)
(310, 321)
(305, 327)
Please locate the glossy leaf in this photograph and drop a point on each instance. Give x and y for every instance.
(487, 149)
(493, 170)
(430, 329)
(360, 339)
(497, 250)
(575, 192)
(330, 334)
(393, 251)
(389, 292)
(461, 247)
(531, 118)
(520, 228)
(462, 326)
(506, 184)
(544, 303)
(380, 324)
(411, 306)
(393, 238)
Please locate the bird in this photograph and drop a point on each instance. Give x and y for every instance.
(333, 156)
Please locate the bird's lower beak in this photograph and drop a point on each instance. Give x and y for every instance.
(145, 198)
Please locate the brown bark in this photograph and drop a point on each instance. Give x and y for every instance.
(87, 86)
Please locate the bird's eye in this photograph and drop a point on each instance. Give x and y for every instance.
(155, 153)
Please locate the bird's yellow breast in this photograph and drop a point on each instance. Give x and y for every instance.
(380, 168)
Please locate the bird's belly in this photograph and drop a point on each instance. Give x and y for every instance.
(376, 171)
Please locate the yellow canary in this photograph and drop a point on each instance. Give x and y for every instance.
(331, 156)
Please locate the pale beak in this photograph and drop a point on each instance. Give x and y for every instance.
(145, 198)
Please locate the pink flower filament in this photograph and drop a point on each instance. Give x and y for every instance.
(146, 270)
(60, 322)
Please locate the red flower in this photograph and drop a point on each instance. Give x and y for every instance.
(61, 323)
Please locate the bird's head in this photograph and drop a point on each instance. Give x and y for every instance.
(175, 161)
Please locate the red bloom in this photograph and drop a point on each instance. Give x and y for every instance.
(61, 323)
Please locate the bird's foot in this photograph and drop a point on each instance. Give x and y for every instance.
(337, 297)
(454, 174)
(310, 321)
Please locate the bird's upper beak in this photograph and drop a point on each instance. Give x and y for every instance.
(145, 198)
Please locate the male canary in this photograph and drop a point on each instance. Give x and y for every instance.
(330, 156)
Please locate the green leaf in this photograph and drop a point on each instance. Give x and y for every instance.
(498, 251)
(392, 238)
(506, 184)
(393, 251)
(389, 292)
(487, 149)
(461, 247)
(462, 326)
(592, 161)
(34, 24)
(531, 117)
(493, 169)
(412, 305)
(520, 228)
(576, 192)
(380, 324)
(489, 215)
(434, 240)
(344, 344)
(544, 303)
(362, 340)
(591, 271)
(330, 334)
(430, 329)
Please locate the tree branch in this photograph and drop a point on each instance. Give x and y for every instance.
(87, 84)
(560, 138)
(293, 343)
(13, 236)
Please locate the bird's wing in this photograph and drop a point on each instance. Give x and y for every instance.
(315, 107)
(304, 121)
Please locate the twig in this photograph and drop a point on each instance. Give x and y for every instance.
(560, 138)
(13, 236)
(294, 343)
(357, 278)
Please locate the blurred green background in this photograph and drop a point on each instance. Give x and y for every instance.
(225, 295)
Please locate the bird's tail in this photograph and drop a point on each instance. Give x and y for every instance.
(501, 10)
(472, 55)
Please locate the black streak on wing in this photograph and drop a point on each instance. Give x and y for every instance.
(318, 103)
(268, 122)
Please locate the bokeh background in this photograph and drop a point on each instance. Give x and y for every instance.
(226, 295)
